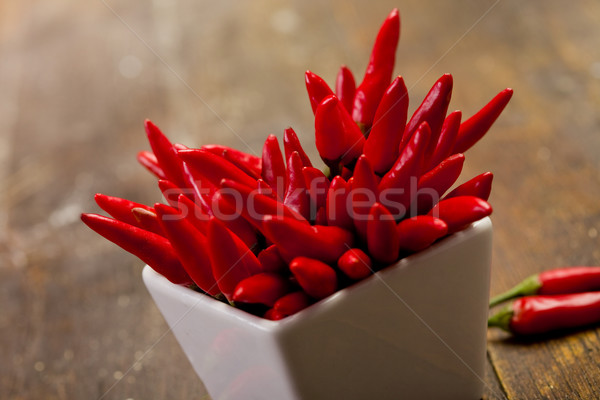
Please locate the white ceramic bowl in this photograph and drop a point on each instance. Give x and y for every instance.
(415, 330)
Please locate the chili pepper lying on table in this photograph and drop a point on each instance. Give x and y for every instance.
(541, 314)
(555, 281)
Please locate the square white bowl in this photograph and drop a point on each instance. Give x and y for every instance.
(414, 330)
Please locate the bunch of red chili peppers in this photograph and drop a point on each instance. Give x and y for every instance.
(274, 234)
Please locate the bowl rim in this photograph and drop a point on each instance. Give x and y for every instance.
(153, 278)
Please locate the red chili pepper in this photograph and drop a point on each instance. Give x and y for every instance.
(297, 238)
(271, 260)
(237, 198)
(363, 195)
(231, 260)
(436, 182)
(190, 245)
(263, 188)
(317, 185)
(477, 126)
(395, 189)
(317, 89)
(316, 278)
(273, 166)
(460, 212)
(555, 281)
(202, 189)
(445, 143)
(382, 237)
(153, 249)
(119, 208)
(433, 111)
(291, 303)
(296, 195)
(379, 71)
(199, 219)
(264, 288)
(480, 186)
(170, 191)
(338, 138)
(355, 264)
(345, 88)
(383, 141)
(166, 154)
(273, 315)
(346, 174)
(193, 213)
(147, 220)
(214, 168)
(534, 315)
(321, 217)
(420, 232)
(148, 160)
(291, 143)
(250, 164)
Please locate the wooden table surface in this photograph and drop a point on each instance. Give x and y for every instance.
(77, 79)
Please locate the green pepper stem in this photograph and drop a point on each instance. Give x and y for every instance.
(502, 318)
(529, 286)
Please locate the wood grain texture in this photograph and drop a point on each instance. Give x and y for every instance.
(78, 78)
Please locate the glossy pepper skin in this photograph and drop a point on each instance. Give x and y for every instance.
(363, 195)
(433, 111)
(191, 247)
(317, 185)
(296, 195)
(253, 206)
(477, 126)
(231, 260)
(248, 163)
(273, 166)
(170, 191)
(316, 278)
(166, 154)
(460, 212)
(153, 249)
(338, 138)
(263, 288)
(355, 264)
(147, 220)
(214, 168)
(418, 233)
(480, 186)
(317, 89)
(534, 315)
(296, 238)
(337, 204)
(291, 303)
(382, 237)
(445, 144)
(554, 281)
(395, 189)
(271, 260)
(383, 142)
(148, 160)
(436, 182)
(291, 143)
(379, 71)
(345, 87)
(119, 208)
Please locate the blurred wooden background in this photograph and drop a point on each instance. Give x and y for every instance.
(77, 80)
